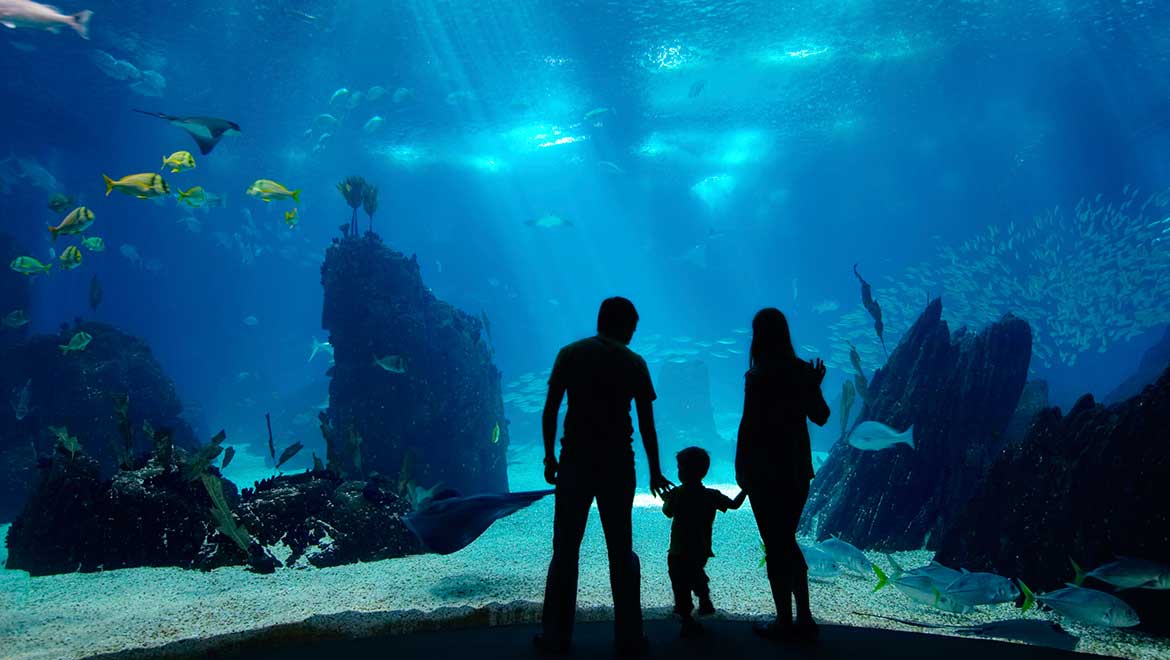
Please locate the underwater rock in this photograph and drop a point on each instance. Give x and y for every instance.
(51, 535)
(1153, 363)
(959, 392)
(1033, 399)
(412, 375)
(78, 390)
(1089, 485)
(683, 412)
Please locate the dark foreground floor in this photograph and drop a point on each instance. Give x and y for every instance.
(724, 640)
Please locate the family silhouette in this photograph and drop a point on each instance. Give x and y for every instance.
(601, 376)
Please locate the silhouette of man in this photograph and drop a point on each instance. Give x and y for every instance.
(601, 376)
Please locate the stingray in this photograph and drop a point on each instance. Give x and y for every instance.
(205, 130)
(1036, 632)
(447, 522)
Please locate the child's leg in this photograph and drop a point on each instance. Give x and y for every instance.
(702, 586)
(680, 584)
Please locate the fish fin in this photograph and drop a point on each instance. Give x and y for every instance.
(1029, 597)
(80, 23)
(910, 433)
(883, 579)
(296, 195)
(109, 184)
(897, 568)
(206, 144)
(9, 24)
(937, 596)
(1079, 574)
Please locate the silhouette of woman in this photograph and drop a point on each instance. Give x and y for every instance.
(773, 462)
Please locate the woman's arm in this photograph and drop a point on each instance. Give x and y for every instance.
(815, 406)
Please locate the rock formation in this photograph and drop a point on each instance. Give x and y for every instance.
(1153, 363)
(1090, 485)
(433, 405)
(958, 391)
(683, 412)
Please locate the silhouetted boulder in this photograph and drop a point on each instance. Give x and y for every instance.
(1033, 399)
(78, 391)
(438, 398)
(683, 412)
(1090, 485)
(959, 392)
(1153, 363)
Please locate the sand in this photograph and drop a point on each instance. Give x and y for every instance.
(502, 574)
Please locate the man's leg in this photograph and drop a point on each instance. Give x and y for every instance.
(573, 498)
(615, 504)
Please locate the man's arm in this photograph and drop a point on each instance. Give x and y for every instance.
(552, 406)
(658, 483)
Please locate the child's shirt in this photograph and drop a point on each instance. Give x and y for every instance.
(692, 508)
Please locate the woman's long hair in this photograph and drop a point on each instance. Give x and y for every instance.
(771, 341)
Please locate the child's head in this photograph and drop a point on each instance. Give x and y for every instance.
(693, 463)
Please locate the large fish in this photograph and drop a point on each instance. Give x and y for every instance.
(27, 14)
(206, 131)
(847, 555)
(981, 589)
(447, 522)
(820, 564)
(1089, 606)
(1128, 573)
(875, 436)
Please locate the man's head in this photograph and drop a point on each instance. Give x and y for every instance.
(617, 319)
(693, 463)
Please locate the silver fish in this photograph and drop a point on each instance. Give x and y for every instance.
(1085, 605)
(981, 589)
(875, 436)
(1128, 573)
(847, 555)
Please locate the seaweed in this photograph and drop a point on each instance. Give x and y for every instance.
(221, 513)
(872, 307)
(271, 446)
(848, 394)
(318, 466)
(201, 460)
(288, 453)
(406, 474)
(370, 203)
(353, 189)
(66, 442)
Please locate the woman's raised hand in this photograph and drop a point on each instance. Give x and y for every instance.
(818, 366)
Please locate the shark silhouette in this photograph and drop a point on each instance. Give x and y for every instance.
(447, 522)
(205, 130)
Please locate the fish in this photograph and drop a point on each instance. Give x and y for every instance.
(820, 563)
(826, 306)
(142, 186)
(94, 244)
(447, 522)
(290, 218)
(611, 166)
(195, 197)
(78, 342)
(981, 589)
(78, 220)
(20, 401)
(95, 293)
(288, 453)
(374, 93)
(725, 342)
(228, 455)
(373, 124)
(496, 434)
(70, 258)
(130, 253)
(392, 363)
(338, 95)
(319, 346)
(28, 14)
(268, 190)
(15, 319)
(29, 266)
(875, 436)
(920, 587)
(1089, 606)
(251, 321)
(324, 119)
(1128, 573)
(206, 131)
(696, 88)
(402, 94)
(846, 555)
(179, 162)
(548, 221)
(595, 113)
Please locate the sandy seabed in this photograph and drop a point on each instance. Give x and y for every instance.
(498, 579)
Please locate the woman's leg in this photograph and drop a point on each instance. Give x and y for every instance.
(798, 568)
(766, 506)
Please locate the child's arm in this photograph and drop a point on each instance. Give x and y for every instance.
(739, 499)
(668, 503)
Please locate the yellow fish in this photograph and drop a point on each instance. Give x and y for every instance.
(268, 190)
(194, 197)
(179, 161)
(70, 258)
(142, 186)
(78, 220)
(290, 218)
(29, 266)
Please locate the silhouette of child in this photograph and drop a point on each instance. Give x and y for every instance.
(692, 508)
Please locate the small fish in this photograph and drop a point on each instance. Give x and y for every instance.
(1128, 573)
(195, 197)
(1085, 605)
(875, 436)
(725, 342)
(251, 321)
(20, 402)
(179, 162)
(373, 124)
(268, 190)
(338, 95)
(28, 14)
(496, 434)
(29, 266)
(595, 113)
(611, 166)
(402, 94)
(77, 343)
(142, 186)
(228, 455)
(70, 258)
(78, 220)
(321, 346)
(324, 120)
(374, 93)
(548, 221)
(826, 306)
(288, 453)
(392, 363)
(94, 244)
(15, 319)
(290, 218)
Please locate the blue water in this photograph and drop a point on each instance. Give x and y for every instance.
(750, 153)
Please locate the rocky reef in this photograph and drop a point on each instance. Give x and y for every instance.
(683, 413)
(959, 392)
(1090, 485)
(1153, 363)
(80, 391)
(413, 384)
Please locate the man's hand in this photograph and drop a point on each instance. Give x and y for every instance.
(819, 369)
(659, 485)
(550, 470)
